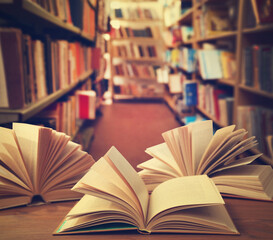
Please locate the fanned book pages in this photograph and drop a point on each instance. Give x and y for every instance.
(117, 199)
(39, 161)
(194, 150)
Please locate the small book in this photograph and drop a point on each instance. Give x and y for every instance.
(39, 163)
(195, 150)
(117, 199)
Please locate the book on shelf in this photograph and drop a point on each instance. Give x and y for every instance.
(195, 150)
(60, 9)
(209, 64)
(175, 83)
(117, 199)
(263, 11)
(12, 72)
(269, 142)
(181, 34)
(218, 18)
(85, 104)
(40, 161)
(257, 121)
(83, 16)
(190, 92)
(257, 67)
(216, 101)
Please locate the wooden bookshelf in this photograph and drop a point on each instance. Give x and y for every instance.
(21, 115)
(48, 26)
(34, 15)
(239, 37)
(143, 49)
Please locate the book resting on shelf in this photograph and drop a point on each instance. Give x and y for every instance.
(116, 198)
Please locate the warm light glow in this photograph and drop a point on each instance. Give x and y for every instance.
(115, 5)
(115, 24)
(106, 36)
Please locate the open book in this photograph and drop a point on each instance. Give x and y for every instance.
(194, 150)
(36, 160)
(117, 199)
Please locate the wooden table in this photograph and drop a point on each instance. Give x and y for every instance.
(253, 219)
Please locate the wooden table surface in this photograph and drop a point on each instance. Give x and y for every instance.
(253, 219)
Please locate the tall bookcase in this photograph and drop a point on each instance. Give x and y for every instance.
(66, 33)
(136, 49)
(244, 87)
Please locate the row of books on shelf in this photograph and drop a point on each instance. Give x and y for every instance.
(215, 18)
(183, 57)
(60, 116)
(38, 67)
(134, 13)
(135, 70)
(173, 12)
(258, 122)
(129, 32)
(216, 64)
(137, 89)
(76, 12)
(134, 50)
(257, 67)
(180, 34)
(67, 114)
(216, 102)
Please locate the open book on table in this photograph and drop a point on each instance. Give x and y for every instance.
(194, 150)
(116, 198)
(36, 160)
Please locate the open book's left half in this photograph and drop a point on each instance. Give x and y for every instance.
(116, 198)
(39, 161)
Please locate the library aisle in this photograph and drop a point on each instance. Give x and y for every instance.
(131, 127)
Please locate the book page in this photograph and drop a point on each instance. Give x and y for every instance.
(237, 163)
(226, 154)
(131, 177)
(183, 193)
(11, 156)
(59, 153)
(75, 165)
(28, 137)
(217, 138)
(163, 153)
(91, 211)
(185, 148)
(172, 140)
(156, 166)
(207, 219)
(229, 141)
(201, 135)
(103, 181)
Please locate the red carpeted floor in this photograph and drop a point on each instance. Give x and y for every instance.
(131, 128)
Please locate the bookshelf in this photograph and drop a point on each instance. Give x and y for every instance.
(243, 33)
(136, 49)
(67, 41)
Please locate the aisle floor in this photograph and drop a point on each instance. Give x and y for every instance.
(131, 128)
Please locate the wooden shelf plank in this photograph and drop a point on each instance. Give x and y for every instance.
(38, 18)
(256, 91)
(204, 112)
(10, 115)
(218, 36)
(259, 29)
(186, 18)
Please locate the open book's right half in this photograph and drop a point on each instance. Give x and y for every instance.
(195, 150)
